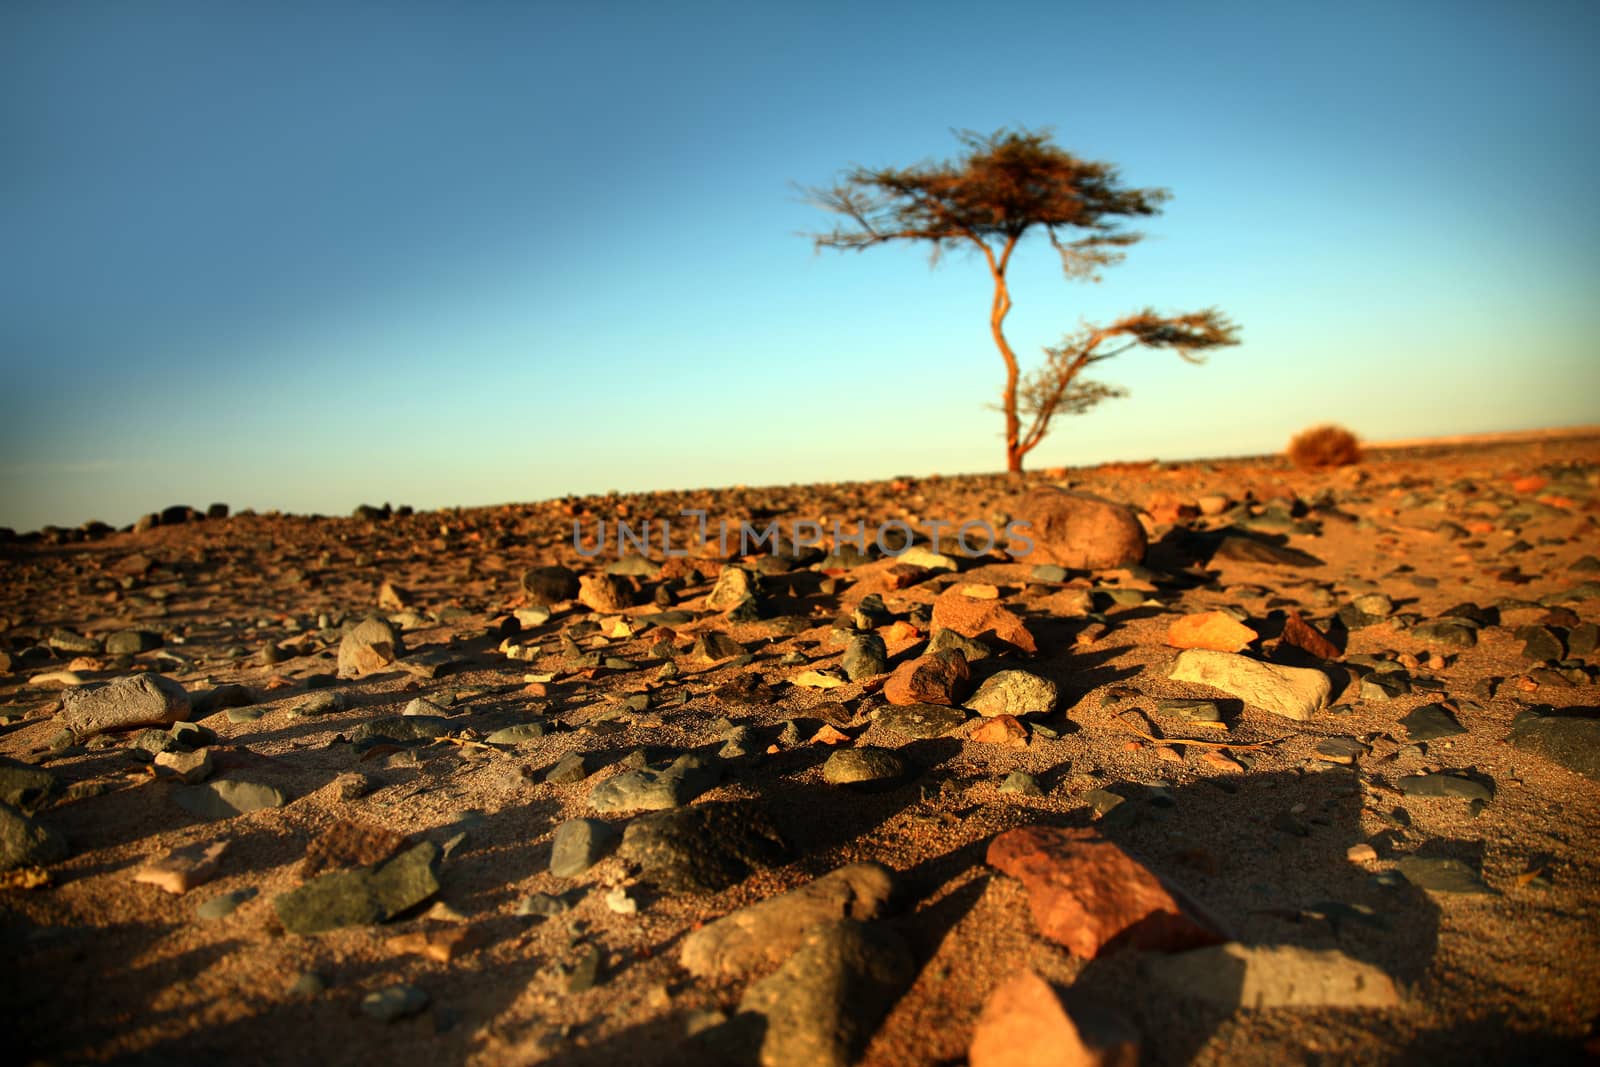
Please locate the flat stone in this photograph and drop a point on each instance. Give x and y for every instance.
(944, 639)
(1343, 750)
(1089, 895)
(361, 896)
(1438, 875)
(1021, 783)
(954, 610)
(822, 1006)
(648, 790)
(1014, 693)
(1203, 711)
(703, 848)
(919, 721)
(759, 937)
(864, 765)
(1446, 785)
(1255, 977)
(229, 797)
(223, 904)
(511, 736)
(579, 844)
(1025, 1023)
(1446, 633)
(1431, 722)
(1210, 629)
(402, 729)
(179, 870)
(1075, 530)
(1293, 692)
(1242, 549)
(135, 700)
(1571, 740)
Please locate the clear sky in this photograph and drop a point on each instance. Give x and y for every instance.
(303, 256)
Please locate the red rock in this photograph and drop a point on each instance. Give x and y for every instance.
(973, 618)
(1210, 629)
(1001, 730)
(1089, 895)
(1025, 1024)
(902, 575)
(941, 678)
(1076, 530)
(1304, 636)
(1529, 484)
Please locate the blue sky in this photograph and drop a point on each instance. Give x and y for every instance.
(305, 256)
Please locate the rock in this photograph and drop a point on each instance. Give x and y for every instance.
(188, 767)
(1438, 875)
(1307, 638)
(1000, 730)
(714, 645)
(1541, 644)
(511, 736)
(733, 587)
(546, 586)
(821, 1007)
(1076, 530)
(568, 770)
(26, 843)
(605, 593)
(370, 645)
(24, 786)
(392, 597)
(579, 844)
(919, 721)
(864, 765)
(1431, 722)
(1293, 692)
(223, 904)
(1342, 750)
(703, 848)
(132, 642)
(181, 869)
(954, 610)
(403, 728)
(759, 937)
(1210, 629)
(135, 700)
(940, 678)
(648, 790)
(1086, 893)
(944, 639)
(229, 797)
(1233, 976)
(1199, 711)
(926, 558)
(1447, 632)
(1446, 785)
(1014, 693)
(362, 896)
(864, 657)
(1572, 740)
(1022, 783)
(394, 1002)
(1025, 1024)
(1385, 686)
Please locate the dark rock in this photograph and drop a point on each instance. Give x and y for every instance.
(361, 896)
(821, 1007)
(1571, 739)
(703, 848)
(1442, 875)
(864, 765)
(26, 843)
(864, 657)
(229, 797)
(1446, 785)
(25, 787)
(919, 721)
(687, 777)
(1431, 722)
(1541, 644)
(578, 845)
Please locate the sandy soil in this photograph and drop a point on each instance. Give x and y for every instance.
(101, 967)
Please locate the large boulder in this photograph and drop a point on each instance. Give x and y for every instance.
(136, 700)
(1075, 530)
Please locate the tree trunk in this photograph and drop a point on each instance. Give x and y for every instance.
(1008, 398)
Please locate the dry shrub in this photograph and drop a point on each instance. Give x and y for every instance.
(1322, 447)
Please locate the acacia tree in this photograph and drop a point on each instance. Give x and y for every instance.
(1002, 187)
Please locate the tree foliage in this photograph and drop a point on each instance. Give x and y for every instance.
(1002, 187)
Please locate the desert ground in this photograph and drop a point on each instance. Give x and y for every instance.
(1252, 765)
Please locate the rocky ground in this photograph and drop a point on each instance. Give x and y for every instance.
(1265, 767)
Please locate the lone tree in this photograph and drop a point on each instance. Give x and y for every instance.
(1003, 186)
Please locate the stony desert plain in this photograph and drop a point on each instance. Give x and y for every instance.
(1241, 764)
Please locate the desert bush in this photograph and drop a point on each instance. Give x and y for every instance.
(1322, 447)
